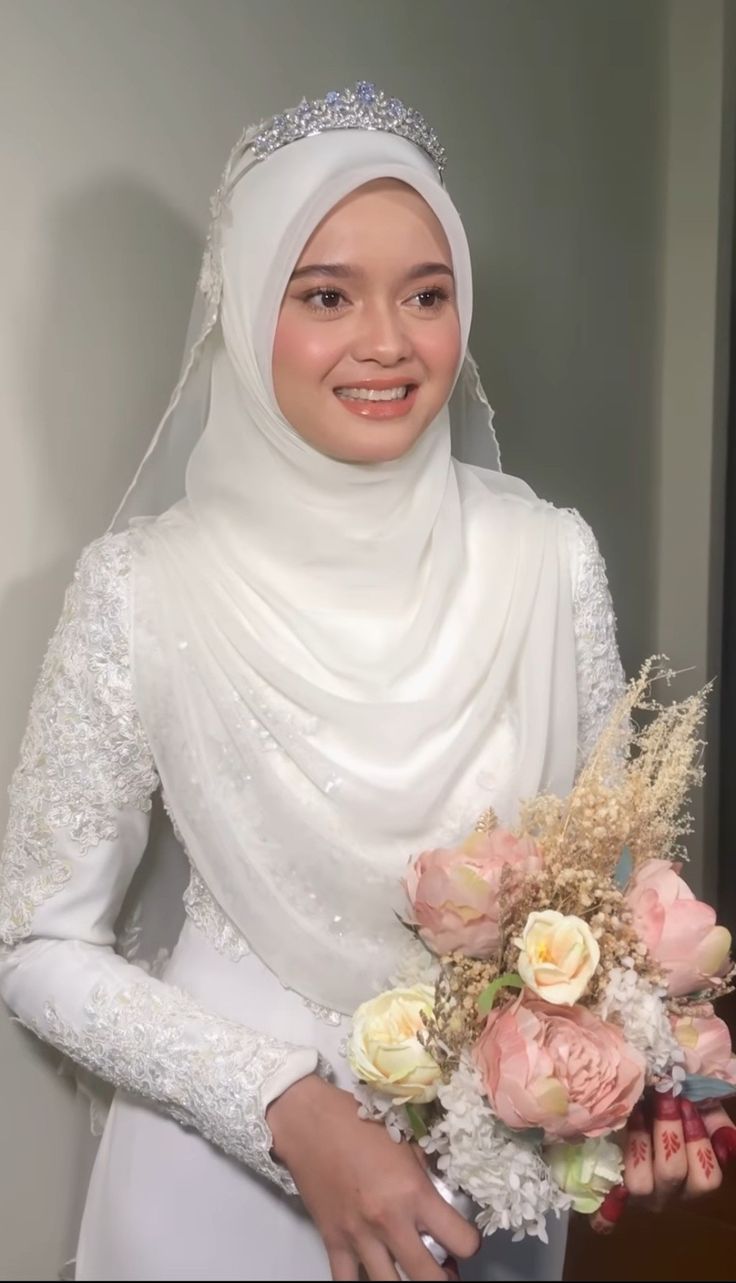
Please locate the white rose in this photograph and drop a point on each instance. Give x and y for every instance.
(384, 1050)
(558, 956)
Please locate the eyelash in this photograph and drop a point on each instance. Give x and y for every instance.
(436, 292)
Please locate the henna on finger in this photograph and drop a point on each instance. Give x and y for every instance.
(703, 1172)
(638, 1157)
(670, 1154)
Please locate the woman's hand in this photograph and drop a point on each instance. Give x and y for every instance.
(369, 1197)
(680, 1150)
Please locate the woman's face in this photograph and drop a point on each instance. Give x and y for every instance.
(368, 338)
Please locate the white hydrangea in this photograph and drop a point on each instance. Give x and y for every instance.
(639, 1007)
(379, 1108)
(503, 1173)
(416, 965)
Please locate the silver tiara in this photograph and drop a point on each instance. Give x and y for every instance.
(363, 107)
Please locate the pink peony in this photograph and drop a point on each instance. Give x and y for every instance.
(679, 931)
(559, 1068)
(454, 893)
(706, 1042)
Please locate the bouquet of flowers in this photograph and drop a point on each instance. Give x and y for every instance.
(569, 973)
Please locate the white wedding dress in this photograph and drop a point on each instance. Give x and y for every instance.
(183, 1186)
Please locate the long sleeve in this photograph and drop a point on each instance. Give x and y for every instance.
(600, 674)
(77, 830)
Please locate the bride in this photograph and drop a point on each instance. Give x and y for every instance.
(330, 631)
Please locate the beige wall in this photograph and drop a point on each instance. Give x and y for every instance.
(116, 119)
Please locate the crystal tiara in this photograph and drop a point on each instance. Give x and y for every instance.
(363, 107)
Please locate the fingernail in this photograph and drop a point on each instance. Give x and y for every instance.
(723, 1141)
(610, 1210)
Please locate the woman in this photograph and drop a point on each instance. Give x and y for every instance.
(334, 647)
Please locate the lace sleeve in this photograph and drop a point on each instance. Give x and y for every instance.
(600, 674)
(77, 830)
(83, 756)
(151, 1038)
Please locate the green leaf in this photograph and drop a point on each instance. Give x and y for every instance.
(510, 980)
(417, 1123)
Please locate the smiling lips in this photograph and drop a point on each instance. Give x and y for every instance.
(378, 398)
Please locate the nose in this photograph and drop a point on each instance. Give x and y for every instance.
(382, 335)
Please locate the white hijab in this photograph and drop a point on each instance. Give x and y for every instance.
(322, 650)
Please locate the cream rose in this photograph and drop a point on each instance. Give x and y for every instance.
(384, 1049)
(558, 956)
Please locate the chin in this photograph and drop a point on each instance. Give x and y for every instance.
(376, 443)
(389, 454)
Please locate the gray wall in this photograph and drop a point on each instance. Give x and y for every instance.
(569, 164)
(697, 239)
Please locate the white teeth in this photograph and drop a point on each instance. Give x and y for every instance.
(372, 394)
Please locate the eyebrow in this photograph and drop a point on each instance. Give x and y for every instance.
(342, 271)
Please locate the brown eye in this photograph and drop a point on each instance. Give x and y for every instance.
(324, 300)
(430, 300)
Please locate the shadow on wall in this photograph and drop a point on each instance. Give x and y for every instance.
(112, 304)
(112, 322)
